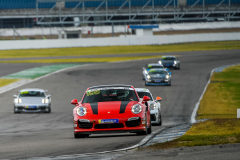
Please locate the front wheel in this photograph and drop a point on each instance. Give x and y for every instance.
(160, 120)
(169, 83)
(146, 130)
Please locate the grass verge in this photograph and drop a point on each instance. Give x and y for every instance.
(197, 46)
(87, 60)
(4, 82)
(219, 104)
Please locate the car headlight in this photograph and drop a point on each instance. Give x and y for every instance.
(148, 77)
(44, 100)
(153, 106)
(81, 111)
(167, 76)
(160, 62)
(136, 109)
(175, 62)
(17, 100)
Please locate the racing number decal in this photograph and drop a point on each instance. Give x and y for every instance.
(90, 93)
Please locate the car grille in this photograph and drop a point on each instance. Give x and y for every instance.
(106, 126)
(85, 125)
(133, 123)
(32, 109)
(153, 117)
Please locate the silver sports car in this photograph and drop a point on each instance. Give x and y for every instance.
(155, 106)
(32, 100)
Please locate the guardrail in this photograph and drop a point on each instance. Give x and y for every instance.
(117, 41)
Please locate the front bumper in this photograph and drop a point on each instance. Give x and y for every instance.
(154, 116)
(94, 127)
(18, 108)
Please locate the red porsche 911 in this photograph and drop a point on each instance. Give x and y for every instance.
(111, 109)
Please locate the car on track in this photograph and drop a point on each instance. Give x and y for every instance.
(111, 109)
(155, 106)
(158, 77)
(32, 100)
(170, 62)
(151, 66)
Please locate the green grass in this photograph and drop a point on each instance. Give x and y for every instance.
(212, 132)
(198, 46)
(4, 82)
(86, 60)
(222, 97)
(219, 104)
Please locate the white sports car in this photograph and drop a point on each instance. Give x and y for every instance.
(32, 100)
(155, 106)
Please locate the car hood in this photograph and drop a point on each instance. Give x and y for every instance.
(109, 108)
(31, 100)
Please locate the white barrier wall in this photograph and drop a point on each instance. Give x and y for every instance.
(117, 41)
(121, 28)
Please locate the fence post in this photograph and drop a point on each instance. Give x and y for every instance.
(112, 29)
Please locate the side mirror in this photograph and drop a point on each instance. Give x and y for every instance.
(14, 96)
(74, 102)
(170, 73)
(49, 96)
(146, 98)
(158, 99)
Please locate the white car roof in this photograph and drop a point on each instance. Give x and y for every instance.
(32, 89)
(142, 90)
(168, 56)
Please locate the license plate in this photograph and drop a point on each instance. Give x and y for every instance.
(31, 106)
(158, 81)
(107, 121)
(168, 65)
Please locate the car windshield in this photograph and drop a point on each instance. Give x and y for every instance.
(153, 72)
(142, 94)
(154, 66)
(168, 58)
(113, 94)
(31, 94)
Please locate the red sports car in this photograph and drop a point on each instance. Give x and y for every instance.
(111, 109)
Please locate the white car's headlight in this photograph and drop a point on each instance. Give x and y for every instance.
(167, 76)
(17, 100)
(44, 100)
(153, 106)
(81, 111)
(136, 109)
(175, 62)
(148, 77)
(160, 62)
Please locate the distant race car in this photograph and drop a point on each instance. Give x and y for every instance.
(170, 62)
(151, 66)
(158, 77)
(155, 106)
(111, 109)
(32, 100)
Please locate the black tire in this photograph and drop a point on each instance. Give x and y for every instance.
(160, 118)
(15, 111)
(169, 84)
(146, 131)
(150, 128)
(49, 111)
(145, 83)
(81, 136)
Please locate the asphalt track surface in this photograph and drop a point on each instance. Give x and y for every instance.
(40, 135)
